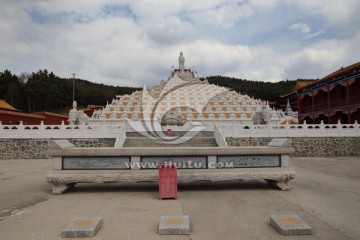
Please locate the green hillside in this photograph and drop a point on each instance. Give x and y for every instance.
(264, 90)
(44, 91)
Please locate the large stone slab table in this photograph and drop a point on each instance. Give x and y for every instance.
(72, 165)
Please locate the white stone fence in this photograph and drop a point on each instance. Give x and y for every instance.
(222, 129)
(59, 131)
(289, 130)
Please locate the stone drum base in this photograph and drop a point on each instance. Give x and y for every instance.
(82, 227)
(290, 225)
(174, 225)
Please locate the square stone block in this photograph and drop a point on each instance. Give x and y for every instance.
(174, 225)
(82, 227)
(290, 225)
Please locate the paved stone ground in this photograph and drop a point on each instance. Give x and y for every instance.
(325, 194)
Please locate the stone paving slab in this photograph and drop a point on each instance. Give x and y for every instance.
(174, 225)
(290, 225)
(82, 227)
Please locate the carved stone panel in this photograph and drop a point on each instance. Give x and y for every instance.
(100, 162)
(181, 162)
(249, 161)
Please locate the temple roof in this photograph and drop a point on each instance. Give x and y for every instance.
(20, 114)
(299, 84)
(341, 71)
(5, 106)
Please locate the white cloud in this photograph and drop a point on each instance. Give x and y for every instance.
(303, 27)
(171, 31)
(321, 58)
(264, 3)
(223, 16)
(315, 34)
(336, 12)
(130, 43)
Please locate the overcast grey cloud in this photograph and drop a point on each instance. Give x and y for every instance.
(130, 43)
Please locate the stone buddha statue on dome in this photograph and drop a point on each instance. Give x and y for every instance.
(181, 62)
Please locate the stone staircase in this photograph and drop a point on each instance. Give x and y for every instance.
(192, 142)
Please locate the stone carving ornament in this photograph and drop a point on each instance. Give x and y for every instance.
(77, 117)
(173, 118)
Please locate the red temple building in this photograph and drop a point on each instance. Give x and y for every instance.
(330, 99)
(91, 108)
(12, 116)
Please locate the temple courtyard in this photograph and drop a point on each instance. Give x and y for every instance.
(325, 194)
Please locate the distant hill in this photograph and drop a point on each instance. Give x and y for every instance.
(44, 91)
(263, 90)
(97, 94)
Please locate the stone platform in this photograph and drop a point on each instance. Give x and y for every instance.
(72, 165)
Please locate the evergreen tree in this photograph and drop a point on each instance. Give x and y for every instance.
(10, 88)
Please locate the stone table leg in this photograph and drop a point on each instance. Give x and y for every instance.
(61, 188)
(282, 184)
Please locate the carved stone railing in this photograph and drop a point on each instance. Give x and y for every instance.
(224, 129)
(290, 130)
(42, 131)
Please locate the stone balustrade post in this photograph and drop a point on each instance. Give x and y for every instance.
(42, 128)
(305, 129)
(322, 129)
(356, 128)
(339, 128)
(62, 126)
(21, 126)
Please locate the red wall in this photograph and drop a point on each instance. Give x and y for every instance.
(306, 101)
(15, 120)
(356, 116)
(54, 120)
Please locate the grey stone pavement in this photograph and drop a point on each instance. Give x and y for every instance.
(325, 194)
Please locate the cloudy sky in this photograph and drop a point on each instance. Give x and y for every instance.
(129, 43)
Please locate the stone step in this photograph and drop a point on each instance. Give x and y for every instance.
(192, 142)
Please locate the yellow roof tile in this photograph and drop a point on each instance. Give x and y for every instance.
(5, 106)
